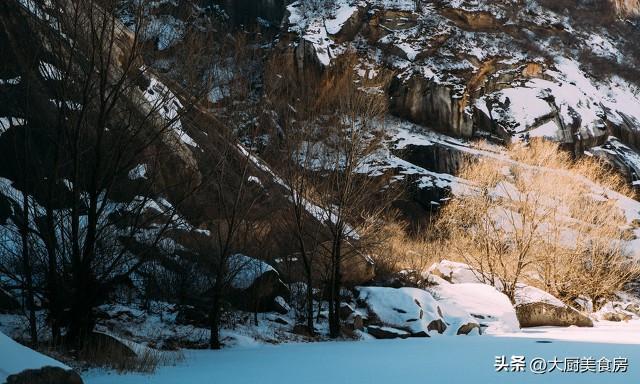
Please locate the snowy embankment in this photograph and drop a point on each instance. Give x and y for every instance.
(415, 360)
(15, 358)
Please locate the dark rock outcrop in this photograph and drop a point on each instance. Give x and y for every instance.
(256, 286)
(45, 375)
(427, 102)
(386, 332)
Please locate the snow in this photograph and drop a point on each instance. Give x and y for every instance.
(164, 102)
(16, 358)
(254, 179)
(165, 29)
(407, 308)
(316, 25)
(548, 130)
(412, 309)
(525, 105)
(455, 272)
(344, 12)
(49, 71)
(138, 172)
(489, 307)
(414, 360)
(12, 81)
(408, 50)
(526, 294)
(246, 270)
(8, 122)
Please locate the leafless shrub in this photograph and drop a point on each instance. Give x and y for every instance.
(543, 220)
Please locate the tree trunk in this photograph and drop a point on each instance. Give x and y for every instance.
(309, 305)
(334, 300)
(27, 270)
(82, 321)
(52, 277)
(214, 320)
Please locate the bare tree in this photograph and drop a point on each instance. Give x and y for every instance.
(115, 119)
(543, 220)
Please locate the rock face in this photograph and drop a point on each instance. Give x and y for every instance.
(246, 12)
(544, 314)
(45, 375)
(429, 103)
(627, 7)
(549, 69)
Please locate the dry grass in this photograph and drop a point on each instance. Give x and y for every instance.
(546, 220)
(549, 155)
(107, 354)
(398, 251)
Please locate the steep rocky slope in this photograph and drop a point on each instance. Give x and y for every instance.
(505, 71)
(511, 70)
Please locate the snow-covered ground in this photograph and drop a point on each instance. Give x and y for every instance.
(466, 359)
(15, 358)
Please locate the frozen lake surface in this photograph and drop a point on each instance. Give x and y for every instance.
(448, 359)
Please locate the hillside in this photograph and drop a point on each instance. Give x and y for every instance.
(182, 175)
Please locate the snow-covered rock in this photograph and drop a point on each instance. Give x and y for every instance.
(412, 310)
(16, 358)
(256, 285)
(454, 272)
(492, 309)
(526, 294)
(535, 307)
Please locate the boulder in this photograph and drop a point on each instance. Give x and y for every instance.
(380, 332)
(535, 307)
(45, 375)
(544, 314)
(467, 328)
(301, 329)
(616, 316)
(256, 285)
(454, 272)
(475, 303)
(346, 30)
(278, 320)
(8, 303)
(437, 325)
(280, 305)
(411, 310)
(192, 316)
(346, 310)
(112, 345)
(354, 322)
(633, 308)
